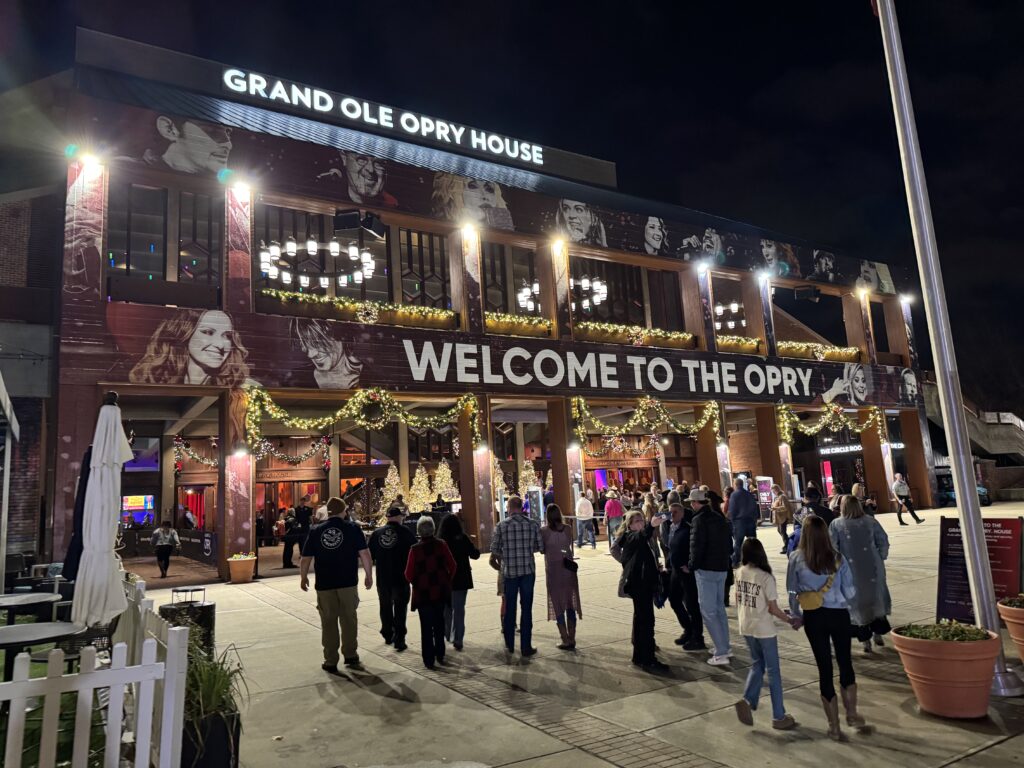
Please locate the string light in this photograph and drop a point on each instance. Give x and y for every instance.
(372, 409)
(637, 335)
(497, 320)
(650, 414)
(832, 419)
(813, 351)
(742, 343)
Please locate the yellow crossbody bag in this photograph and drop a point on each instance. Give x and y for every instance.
(811, 601)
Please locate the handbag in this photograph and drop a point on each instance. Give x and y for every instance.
(570, 565)
(812, 601)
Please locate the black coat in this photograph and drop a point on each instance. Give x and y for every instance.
(677, 546)
(463, 550)
(639, 565)
(711, 542)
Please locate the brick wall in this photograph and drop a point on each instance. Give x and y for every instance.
(26, 481)
(15, 224)
(744, 453)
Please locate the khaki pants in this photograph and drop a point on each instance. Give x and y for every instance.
(338, 606)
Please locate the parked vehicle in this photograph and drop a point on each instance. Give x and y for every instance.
(947, 493)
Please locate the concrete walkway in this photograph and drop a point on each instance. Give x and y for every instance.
(585, 709)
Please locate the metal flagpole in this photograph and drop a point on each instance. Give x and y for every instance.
(972, 529)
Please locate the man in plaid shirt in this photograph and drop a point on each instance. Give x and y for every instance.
(515, 540)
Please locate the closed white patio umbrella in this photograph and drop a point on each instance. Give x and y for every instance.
(99, 596)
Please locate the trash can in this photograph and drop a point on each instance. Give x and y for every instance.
(189, 607)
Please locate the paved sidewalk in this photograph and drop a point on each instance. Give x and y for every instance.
(586, 709)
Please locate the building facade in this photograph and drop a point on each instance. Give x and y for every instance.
(294, 290)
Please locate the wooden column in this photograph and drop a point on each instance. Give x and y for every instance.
(168, 484)
(334, 473)
(899, 330)
(768, 443)
(698, 307)
(877, 462)
(235, 532)
(566, 464)
(709, 467)
(403, 454)
(857, 318)
(467, 278)
(754, 311)
(238, 271)
(917, 452)
(520, 446)
(552, 261)
(475, 477)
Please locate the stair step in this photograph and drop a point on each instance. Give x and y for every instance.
(1010, 494)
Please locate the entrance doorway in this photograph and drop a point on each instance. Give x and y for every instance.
(273, 497)
(201, 501)
(624, 478)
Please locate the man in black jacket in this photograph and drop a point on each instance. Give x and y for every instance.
(389, 548)
(682, 594)
(710, 560)
(812, 504)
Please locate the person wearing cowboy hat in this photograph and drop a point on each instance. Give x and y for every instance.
(613, 512)
(710, 560)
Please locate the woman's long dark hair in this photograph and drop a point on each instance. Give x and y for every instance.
(816, 546)
(753, 554)
(555, 520)
(451, 528)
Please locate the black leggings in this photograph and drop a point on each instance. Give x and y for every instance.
(824, 626)
(643, 626)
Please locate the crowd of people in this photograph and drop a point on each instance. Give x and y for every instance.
(683, 548)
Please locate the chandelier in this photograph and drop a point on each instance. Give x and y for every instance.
(528, 296)
(588, 292)
(282, 265)
(731, 321)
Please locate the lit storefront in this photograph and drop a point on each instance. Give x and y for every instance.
(301, 293)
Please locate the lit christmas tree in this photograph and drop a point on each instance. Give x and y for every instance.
(444, 483)
(392, 488)
(497, 478)
(549, 481)
(527, 477)
(420, 497)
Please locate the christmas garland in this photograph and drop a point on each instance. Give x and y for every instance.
(183, 448)
(365, 311)
(811, 349)
(650, 415)
(501, 318)
(370, 409)
(726, 340)
(637, 334)
(832, 419)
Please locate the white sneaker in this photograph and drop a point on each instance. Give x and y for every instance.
(713, 652)
(719, 661)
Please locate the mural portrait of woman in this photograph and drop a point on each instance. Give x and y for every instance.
(194, 347)
(461, 200)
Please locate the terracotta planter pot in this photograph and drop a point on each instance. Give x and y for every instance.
(1014, 620)
(242, 570)
(949, 679)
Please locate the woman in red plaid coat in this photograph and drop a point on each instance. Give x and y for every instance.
(430, 570)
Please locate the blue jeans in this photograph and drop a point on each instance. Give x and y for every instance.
(612, 523)
(711, 595)
(585, 526)
(455, 616)
(521, 587)
(765, 653)
(741, 529)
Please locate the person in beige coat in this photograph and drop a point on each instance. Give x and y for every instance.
(782, 514)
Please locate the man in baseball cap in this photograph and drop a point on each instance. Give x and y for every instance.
(389, 548)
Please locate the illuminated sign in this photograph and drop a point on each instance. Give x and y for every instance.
(832, 450)
(136, 503)
(378, 117)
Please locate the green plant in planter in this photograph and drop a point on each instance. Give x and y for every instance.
(945, 630)
(1013, 602)
(215, 688)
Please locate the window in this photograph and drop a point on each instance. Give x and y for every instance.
(432, 445)
(359, 271)
(200, 221)
(510, 279)
(666, 303)
(606, 291)
(730, 313)
(137, 230)
(424, 260)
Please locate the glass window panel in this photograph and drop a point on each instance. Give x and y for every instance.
(623, 300)
(424, 260)
(147, 231)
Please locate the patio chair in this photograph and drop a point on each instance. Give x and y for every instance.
(99, 636)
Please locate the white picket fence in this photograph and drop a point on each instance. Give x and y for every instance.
(146, 672)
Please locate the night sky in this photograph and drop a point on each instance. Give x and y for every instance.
(776, 114)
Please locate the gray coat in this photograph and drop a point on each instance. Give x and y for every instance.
(864, 544)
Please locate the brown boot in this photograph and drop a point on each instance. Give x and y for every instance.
(853, 717)
(565, 644)
(571, 630)
(832, 713)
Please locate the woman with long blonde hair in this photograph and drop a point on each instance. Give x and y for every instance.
(640, 580)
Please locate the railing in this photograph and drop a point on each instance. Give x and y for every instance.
(143, 688)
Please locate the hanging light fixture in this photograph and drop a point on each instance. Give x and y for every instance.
(357, 277)
(286, 277)
(530, 305)
(335, 247)
(353, 251)
(719, 310)
(734, 307)
(585, 283)
(536, 288)
(342, 280)
(365, 256)
(304, 281)
(290, 246)
(273, 272)
(731, 324)
(312, 246)
(275, 249)
(324, 282)
(718, 325)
